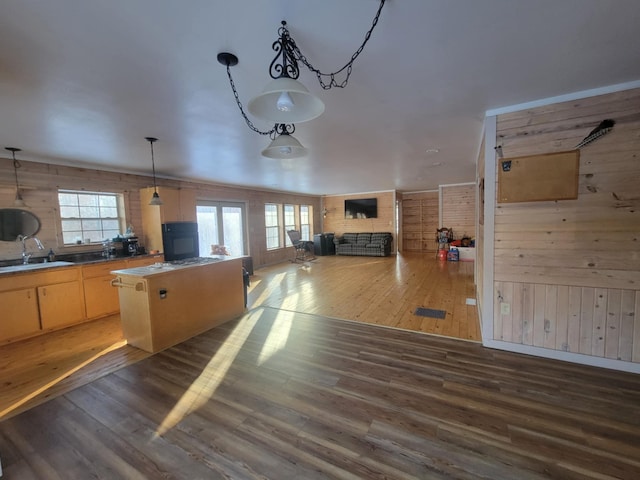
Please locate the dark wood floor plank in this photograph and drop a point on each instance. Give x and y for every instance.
(285, 395)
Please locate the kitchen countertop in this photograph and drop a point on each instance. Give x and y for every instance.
(165, 267)
(73, 260)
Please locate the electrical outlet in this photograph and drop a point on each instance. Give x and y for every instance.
(505, 309)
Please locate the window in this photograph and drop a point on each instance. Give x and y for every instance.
(305, 225)
(279, 219)
(90, 217)
(272, 225)
(289, 223)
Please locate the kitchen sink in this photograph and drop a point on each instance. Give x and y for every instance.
(33, 266)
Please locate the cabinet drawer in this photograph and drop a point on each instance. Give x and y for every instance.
(142, 261)
(102, 269)
(35, 279)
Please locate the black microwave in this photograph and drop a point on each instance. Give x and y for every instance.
(180, 240)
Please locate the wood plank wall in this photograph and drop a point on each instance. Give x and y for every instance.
(421, 213)
(40, 182)
(569, 271)
(420, 220)
(335, 222)
(459, 209)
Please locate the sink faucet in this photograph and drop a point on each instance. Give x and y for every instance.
(26, 255)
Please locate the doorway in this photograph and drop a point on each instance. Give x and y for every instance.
(221, 223)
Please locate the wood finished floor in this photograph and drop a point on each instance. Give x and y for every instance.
(286, 392)
(285, 395)
(380, 290)
(383, 291)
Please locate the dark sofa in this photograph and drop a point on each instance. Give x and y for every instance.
(370, 244)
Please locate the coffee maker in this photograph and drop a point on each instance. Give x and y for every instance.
(130, 245)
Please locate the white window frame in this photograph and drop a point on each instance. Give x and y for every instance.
(272, 230)
(83, 219)
(305, 222)
(290, 222)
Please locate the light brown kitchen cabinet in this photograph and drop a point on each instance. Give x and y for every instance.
(34, 302)
(135, 262)
(60, 304)
(20, 314)
(178, 205)
(100, 297)
(37, 302)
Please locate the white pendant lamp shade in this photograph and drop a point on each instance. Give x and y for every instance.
(285, 100)
(284, 146)
(19, 202)
(155, 199)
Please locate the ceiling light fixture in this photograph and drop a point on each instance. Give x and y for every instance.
(155, 199)
(18, 202)
(285, 101)
(285, 145)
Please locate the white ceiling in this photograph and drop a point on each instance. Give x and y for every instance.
(82, 83)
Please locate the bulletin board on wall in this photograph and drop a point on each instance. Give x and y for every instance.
(538, 178)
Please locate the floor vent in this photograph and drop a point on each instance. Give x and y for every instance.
(430, 312)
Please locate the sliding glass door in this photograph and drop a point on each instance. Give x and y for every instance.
(222, 224)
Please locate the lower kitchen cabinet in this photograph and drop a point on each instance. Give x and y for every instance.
(36, 302)
(60, 304)
(100, 298)
(20, 314)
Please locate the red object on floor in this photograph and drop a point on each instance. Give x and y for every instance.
(442, 254)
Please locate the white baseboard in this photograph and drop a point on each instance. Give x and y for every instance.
(564, 356)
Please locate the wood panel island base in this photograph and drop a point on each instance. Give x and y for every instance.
(162, 305)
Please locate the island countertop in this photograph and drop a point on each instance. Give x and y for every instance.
(166, 267)
(162, 305)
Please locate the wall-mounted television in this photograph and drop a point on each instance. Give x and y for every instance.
(361, 208)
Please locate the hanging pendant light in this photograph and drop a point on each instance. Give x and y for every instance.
(284, 144)
(18, 202)
(286, 100)
(155, 199)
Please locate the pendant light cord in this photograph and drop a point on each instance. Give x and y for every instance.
(16, 166)
(244, 115)
(153, 164)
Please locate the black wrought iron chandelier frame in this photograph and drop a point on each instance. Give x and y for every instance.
(285, 64)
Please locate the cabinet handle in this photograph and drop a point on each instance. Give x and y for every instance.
(44, 291)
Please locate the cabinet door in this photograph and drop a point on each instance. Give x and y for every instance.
(188, 205)
(153, 216)
(60, 304)
(100, 297)
(170, 208)
(20, 315)
(135, 262)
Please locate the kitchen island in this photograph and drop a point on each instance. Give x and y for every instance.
(164, 304)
